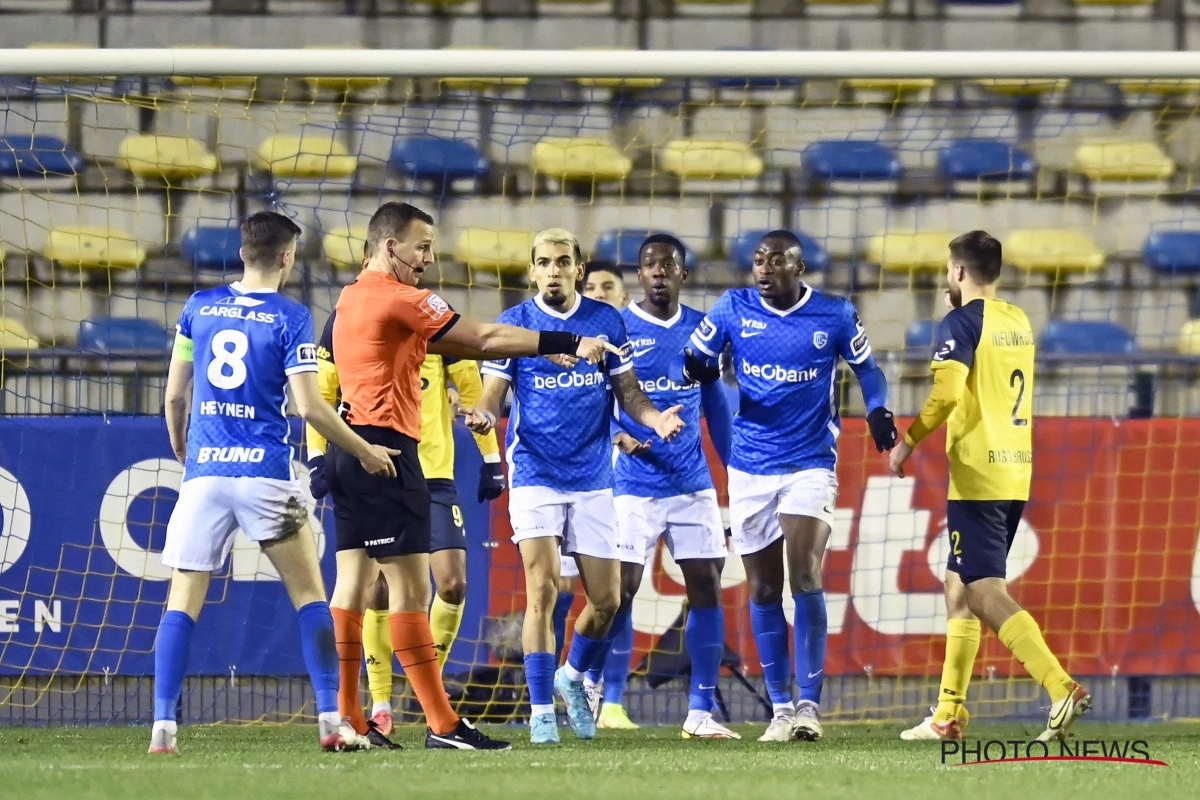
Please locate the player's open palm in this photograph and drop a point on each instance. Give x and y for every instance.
(669, 423)
(477, 421)
(629, 445)
(378, 461)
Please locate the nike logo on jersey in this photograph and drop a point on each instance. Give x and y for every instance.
(637, 353)
(815, 674)
(702, 687)
(748, 334)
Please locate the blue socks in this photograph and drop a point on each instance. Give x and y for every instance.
(705, 638)
(319, 645)
(539, 677)
(771, 635)
(811, 624)
(616, 663)
(170, 662)
(562, 607)
(584, 653)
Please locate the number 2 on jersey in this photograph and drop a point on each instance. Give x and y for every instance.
(1018, 377)
(229, 348)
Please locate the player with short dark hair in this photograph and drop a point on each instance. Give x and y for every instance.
(786, 340)
(604, 281)
(237, 351)
(382, 333)
(983, 389)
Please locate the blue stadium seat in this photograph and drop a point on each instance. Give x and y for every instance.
(106, 335)
(1173, 251)
(754, 83)
(851, 161)
(28, 156)
(985, 159)
(816, 257)
(212, 247)
(621, 246)
(1086, 336)
(434, 158)
(920, 335)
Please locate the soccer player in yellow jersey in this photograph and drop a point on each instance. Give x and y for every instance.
(983, 389)
(445, 382)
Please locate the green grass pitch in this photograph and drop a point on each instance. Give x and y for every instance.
(858, 761)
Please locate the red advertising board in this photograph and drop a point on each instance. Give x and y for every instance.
(1106, 559)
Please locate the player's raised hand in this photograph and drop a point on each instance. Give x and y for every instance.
(477, 421)
(563, 360)
(898, 456)
(593, 350)
(629, 445)
(378, 461)
(669, 423)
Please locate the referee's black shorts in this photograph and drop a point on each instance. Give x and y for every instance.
(384, 516)
(981, 534)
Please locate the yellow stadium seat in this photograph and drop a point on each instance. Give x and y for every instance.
(343, 84)
(1117, 160)
(711, 159)
(1114, 2)
(224, 82)
(580, 159)
(480, 83)
(1189, 338)
(494, 249)
(907, 252)
(15, 336)
(344, 247)
(311, 155)
(94, 247)
(628, 83)
(1053, 250)
(166, 157)
(1021, 87)
(845, 2)
(1159, 86)
(894, 85)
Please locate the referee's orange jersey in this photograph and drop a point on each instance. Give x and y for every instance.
(380, 336)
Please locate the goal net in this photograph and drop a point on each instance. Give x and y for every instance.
(121, 190)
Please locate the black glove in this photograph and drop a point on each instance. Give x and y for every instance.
(491, 481)
(697, 370)
(316, 477)
(883, 429)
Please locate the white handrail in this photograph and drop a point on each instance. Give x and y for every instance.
(602, 63)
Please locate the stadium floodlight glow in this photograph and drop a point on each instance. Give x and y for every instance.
(604, 63)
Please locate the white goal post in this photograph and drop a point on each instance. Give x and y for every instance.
(949, 64)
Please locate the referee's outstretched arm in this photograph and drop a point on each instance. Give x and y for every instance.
(467, 338)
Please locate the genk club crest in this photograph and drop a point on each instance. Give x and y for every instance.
(820, 339)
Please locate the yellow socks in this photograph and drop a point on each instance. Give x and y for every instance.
(444, 620)
(962, 644)
(377, 644)
(1021, 635)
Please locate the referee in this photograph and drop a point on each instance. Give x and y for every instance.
(383, 327)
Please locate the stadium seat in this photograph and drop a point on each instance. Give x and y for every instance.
(580, 159)
(985, 160)
(344, 247)
(1052, 250)
(310, 155)
(625, 83)
(1122, 160)
(851, 161)
(93, 247)
(1018, 87)
(28, 156)
(437, 159)
(494, 249)
(816, 257)
(1189, 338)
(166, 157)
(621, 246)
(15, 336)
(908, 252)
(1173, 251)
(710, 159)
(343, 85)
(212, 247)
(1160, 86)
(920, 335)
(897, 86)
(1085, 336)
(479, 83)
(122, 334)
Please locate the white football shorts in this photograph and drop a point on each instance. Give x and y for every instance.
(691, 524)
(584, 520)
(211, 508)
(567, 568)
(756, 501)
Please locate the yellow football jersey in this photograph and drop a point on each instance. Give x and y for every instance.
(989, 435)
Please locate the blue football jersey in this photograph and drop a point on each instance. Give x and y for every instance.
(678, 466)
(785, 362)
(245, 345)
(558, 429)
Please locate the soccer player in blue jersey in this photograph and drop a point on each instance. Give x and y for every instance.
(560, 467)
(786, 339)
(238, 350)
(664, 489)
